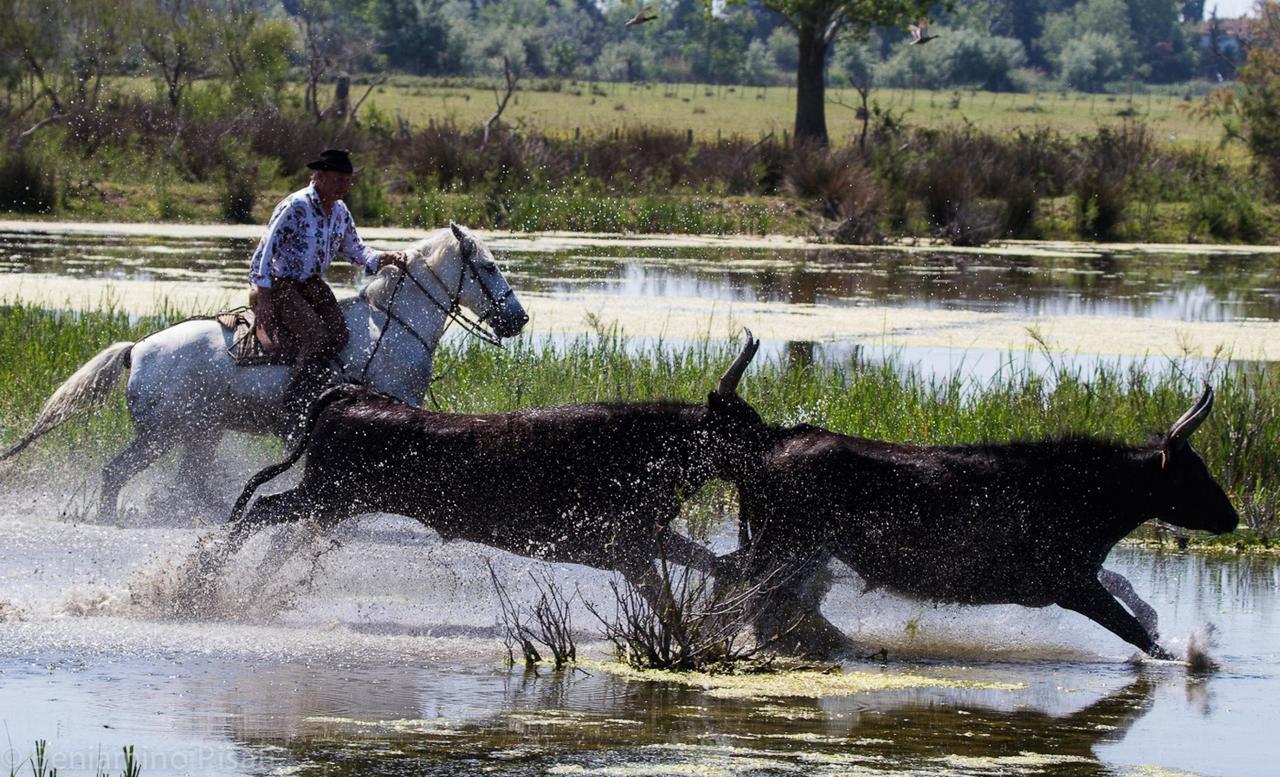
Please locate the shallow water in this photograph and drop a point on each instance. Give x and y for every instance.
(382, 655)
(938, 308)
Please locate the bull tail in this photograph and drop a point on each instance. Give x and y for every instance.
(87, 388)
(328, 397)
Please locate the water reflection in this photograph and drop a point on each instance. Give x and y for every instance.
(1178, 287)
(572, 723)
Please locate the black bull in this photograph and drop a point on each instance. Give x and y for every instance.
(1026, 523)
(595, 484)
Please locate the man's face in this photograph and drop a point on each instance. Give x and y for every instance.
(332, 185)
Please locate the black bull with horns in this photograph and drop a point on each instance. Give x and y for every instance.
(595, 484)
(1026, 523)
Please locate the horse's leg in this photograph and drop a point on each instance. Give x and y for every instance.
(195, 470)
(1091, 600)
(1119, 586)
(140, 453)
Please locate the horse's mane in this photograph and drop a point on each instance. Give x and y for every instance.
(430, 249)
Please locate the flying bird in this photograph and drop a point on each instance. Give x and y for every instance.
(920, 32)
(646, 15)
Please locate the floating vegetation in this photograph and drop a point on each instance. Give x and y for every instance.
(805, 683)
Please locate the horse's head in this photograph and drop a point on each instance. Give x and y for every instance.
(1187, 495)
(455, 270)
(482, 288)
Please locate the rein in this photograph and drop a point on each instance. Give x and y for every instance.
(453, 313)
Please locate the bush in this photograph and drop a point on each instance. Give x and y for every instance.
(367, 199)
(239, 193)
(26, 186)
(960, 57)
(1226, 213)
(1090, 61)
(1106, 164)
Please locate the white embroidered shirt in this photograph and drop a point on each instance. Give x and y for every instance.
(301, 240)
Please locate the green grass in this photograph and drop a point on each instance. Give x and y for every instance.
(1240, 441)
(710, 111)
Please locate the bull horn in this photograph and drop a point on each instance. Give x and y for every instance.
(457, 231)
(1191, 420)
(729, 381)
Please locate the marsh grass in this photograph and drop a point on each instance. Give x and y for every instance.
(886, 400)
(41, 763)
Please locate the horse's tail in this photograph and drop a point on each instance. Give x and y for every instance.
(86, 388)
(326, 398)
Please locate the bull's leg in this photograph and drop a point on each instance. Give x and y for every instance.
(270, 510)
(1092, 601)
(791, 618)
(140, 453)
(682, 550)
(1119, 586)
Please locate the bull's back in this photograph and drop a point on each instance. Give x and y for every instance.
(922, 521)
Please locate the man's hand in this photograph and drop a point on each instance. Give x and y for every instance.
(392, 259)
(265, 325)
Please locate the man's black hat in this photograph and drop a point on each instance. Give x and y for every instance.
(336, 159)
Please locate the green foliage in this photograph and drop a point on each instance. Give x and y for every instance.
(1226, 213)
(368, 199)
(960, 57)
(1090, 61)
(1258, 101)
(239, 192)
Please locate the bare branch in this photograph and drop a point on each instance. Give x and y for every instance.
(512, 77)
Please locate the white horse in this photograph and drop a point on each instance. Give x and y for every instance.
(184, 386)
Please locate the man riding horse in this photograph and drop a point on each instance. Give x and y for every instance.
(298, 319)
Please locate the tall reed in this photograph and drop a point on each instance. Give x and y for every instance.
(882, 399)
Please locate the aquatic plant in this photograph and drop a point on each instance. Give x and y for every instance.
(40, 763)
(686, 622)
(549, 623)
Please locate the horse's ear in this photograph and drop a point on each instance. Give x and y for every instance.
(465, 241)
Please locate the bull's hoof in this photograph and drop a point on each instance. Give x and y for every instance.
(1160, 654)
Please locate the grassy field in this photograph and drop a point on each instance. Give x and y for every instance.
(1240, 441)
(711, 111)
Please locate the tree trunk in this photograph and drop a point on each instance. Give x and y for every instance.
(811, 108)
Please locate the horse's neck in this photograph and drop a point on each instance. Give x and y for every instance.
(389, 356)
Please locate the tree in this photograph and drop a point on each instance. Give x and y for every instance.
(177, 37)
(817, 23)
(1258, 100)
(255, 49)
(65, 48)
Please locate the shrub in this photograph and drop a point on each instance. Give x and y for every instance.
(367, 199)
(1226, 213)
(239, 192)
(26, 186)
(1106, 163)
(1090, 61)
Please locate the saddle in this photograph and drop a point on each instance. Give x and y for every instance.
(245, 349)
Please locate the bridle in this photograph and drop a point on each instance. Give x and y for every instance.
(452, 307)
